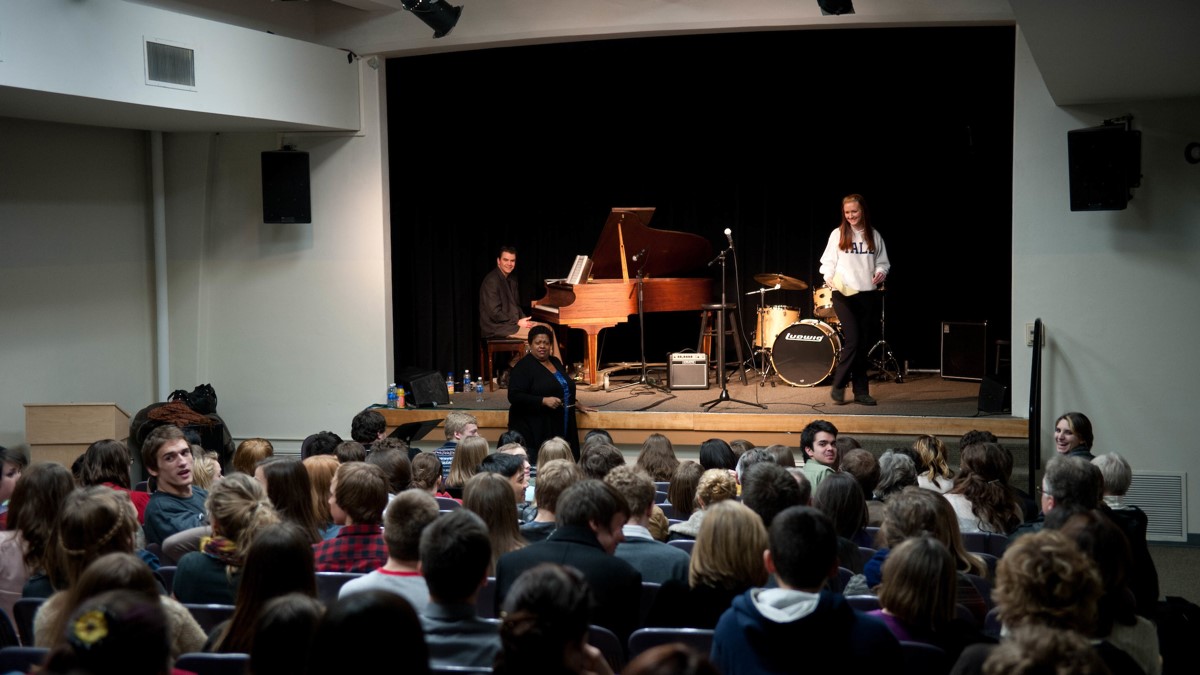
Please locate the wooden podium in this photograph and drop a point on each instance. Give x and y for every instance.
(60, 432)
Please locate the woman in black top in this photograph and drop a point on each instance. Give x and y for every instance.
(541, 396)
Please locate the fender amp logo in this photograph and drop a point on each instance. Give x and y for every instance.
(803, 338)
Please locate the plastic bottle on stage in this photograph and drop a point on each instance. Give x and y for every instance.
(479, 390)
(391, 395)
(400, 397)
(467, 381)
(450, 384)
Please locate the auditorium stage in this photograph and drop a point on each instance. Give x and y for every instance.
(923, 404)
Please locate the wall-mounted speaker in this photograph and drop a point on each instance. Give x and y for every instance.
(1105, 164)
(422, 388)
(285, 190)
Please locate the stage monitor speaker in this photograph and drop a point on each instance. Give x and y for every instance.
(687, 370)
(1104, 163)
(285, 190)
(994, 396)
(964, 350)
(422, 388)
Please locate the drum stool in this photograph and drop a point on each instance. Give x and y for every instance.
(708, 329)
(489, 347)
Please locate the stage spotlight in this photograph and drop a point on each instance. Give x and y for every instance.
(437, 14)
(836, 6)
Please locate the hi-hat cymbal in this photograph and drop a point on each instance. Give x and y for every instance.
(784, 281)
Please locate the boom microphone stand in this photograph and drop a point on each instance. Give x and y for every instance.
(724, 396)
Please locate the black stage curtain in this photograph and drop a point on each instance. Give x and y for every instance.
(763, 133)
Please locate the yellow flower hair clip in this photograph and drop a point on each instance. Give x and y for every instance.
(90, 628)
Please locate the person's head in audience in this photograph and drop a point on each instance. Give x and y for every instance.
(350, 451)
(239, 510)
(932, 452)
(206, 467)
(1045, 580)
(289, 488)
(511, 436)
(864, 467)
(896, 472)
(1038, 650)
(552, 449)
(818, 440)
(1072, 483)
(1117, 473)
(841, 499)
(33, 510)
(407, 515)
(110, 572)
(598, 433)
(11, 465)
(593, 505)
(460, 425)
(93, 521)
(1105, 543)
(426, 473)
(657, 458)
(715, 485)
(977, 436)
(637, 489)
(367, 427)
(320, 443)
(518, 450)
(456, 554)
(114, 632)
(675, 658)
(105, 461)
(359, 494)
(250, 452)
(546, 617)
(377, 618)
(920, 584)
(599, 458)
(681, 493)
(797, 474)
(802, 549)
(490, 496)
(395, 465)
(983, 480)
(915, 511)
(783, 455)
(728, 553)
(716, 454)
(280, 561)
(1072, 430)
(750, 458)
(768, 489)
(845, 444)
(283, 631)
(553, 478)
(321, 470)
(740, 446)
(167, 455)
(467, 457)
(509, 467)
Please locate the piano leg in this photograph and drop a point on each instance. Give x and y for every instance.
(591, 349)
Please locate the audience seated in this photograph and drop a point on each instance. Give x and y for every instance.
(250, 452)
(934, 472)
(106, 463)
(783, 455)
(408, 514)
(681, 493)
(818, 442)
(27, 546)
(545, 626)
(367, 427)
(289, 488)
(320, 443)
(465, 463)
(716, 454)
(239, 512)
(768, 489)
(427, 475)
(1117, 476)
(283, 631)
(554, 476)
(897, 471)
(458, 426)
(671, 659)
(552, 449)
(321, 469)
(597, 459)
(350, 451)
(798, 625)
(510, 467)
(981, 496)
(740, 446)
(93, 521)
(1029, 505)
(206, 467)
(356, 631)
(455, 556)
(391, 455)
(865, 468)
(715, 485)
(841, 499)
(749, 459)
(114, 632)
(176, 505)
(12, 463)
(656, 561)
(1039, 650)
(357, 498)
(657, 458)
(490, 496)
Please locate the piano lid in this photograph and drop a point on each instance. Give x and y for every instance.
(668, 253)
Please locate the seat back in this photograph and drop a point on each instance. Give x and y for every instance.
(642, 639)
(166, 574)
(208, 616)
(447, 504)
(649, 593)
(863, 603)
(485, 603)
(668, 510)
(329, 584)
(606, 641)
(985, 542)
(923, 658)
(684, 544)
(21, 659)
(8, 633)
(23, 611)
(205, 663)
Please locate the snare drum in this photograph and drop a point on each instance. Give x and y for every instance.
(823, 303)
(772, 320)
(806, 352)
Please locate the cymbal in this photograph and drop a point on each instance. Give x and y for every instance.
(784, 281)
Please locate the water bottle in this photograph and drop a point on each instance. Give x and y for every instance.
(400, 397)
(479, 390)
(450, 384)
(467, 381)
(391, 395)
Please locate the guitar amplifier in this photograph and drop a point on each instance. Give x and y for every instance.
(687, 370)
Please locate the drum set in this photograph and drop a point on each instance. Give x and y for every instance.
(804, 352)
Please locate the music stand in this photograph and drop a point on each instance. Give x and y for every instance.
(641, 299)
(724, 395)
(411, 432)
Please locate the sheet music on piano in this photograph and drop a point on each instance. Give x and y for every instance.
(580, 271)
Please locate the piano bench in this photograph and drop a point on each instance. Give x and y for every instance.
(489, 347)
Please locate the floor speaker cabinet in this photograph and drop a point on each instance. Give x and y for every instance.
(423, 388)
(687, 370)
(285, 189)
(994, 396)
(964, 350)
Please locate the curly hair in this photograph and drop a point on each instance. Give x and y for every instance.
(1038, 650)
(982, 480)
(715, 485)
(1045, 580)
(932, 452)
(239, 509)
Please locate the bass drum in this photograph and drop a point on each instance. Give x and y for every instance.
(806, 352)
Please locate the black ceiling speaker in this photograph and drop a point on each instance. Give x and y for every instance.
(285, 190)
(437, 14)
(1105, 165)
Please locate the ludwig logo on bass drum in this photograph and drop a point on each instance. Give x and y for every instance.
(803, 338)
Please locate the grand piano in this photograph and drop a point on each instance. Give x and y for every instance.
(610, 296)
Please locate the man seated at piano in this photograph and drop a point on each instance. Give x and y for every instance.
(500, 312)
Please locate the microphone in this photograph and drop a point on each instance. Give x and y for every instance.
(640, 254)
(729, 236)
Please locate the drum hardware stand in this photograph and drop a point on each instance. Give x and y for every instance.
(724, 396)
(881, 355)
(762, 367)
(643, 379)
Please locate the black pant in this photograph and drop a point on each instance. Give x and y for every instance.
(859, 317)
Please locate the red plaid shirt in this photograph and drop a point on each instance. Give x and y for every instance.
(356, 548)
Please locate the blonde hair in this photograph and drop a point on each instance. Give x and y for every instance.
(321, 469)
(715, 485)
(728, 552)
(555, 448)
(467, 457)
(206, 468)
(932, 452)
(239, 510)
(250, 452)
(1045, 580)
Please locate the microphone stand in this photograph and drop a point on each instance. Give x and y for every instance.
(643, 380)
(724, 396)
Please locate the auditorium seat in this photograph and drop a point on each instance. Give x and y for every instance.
(642, 639)
(485, 603)
(329, 584)
(685, 544)
(923, 658)
(17, 659)
(23, 612)
(208, 616)
(205, 663)
(606, 641)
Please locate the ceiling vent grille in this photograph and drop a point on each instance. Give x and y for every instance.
(1163, 496)
(170, 64)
